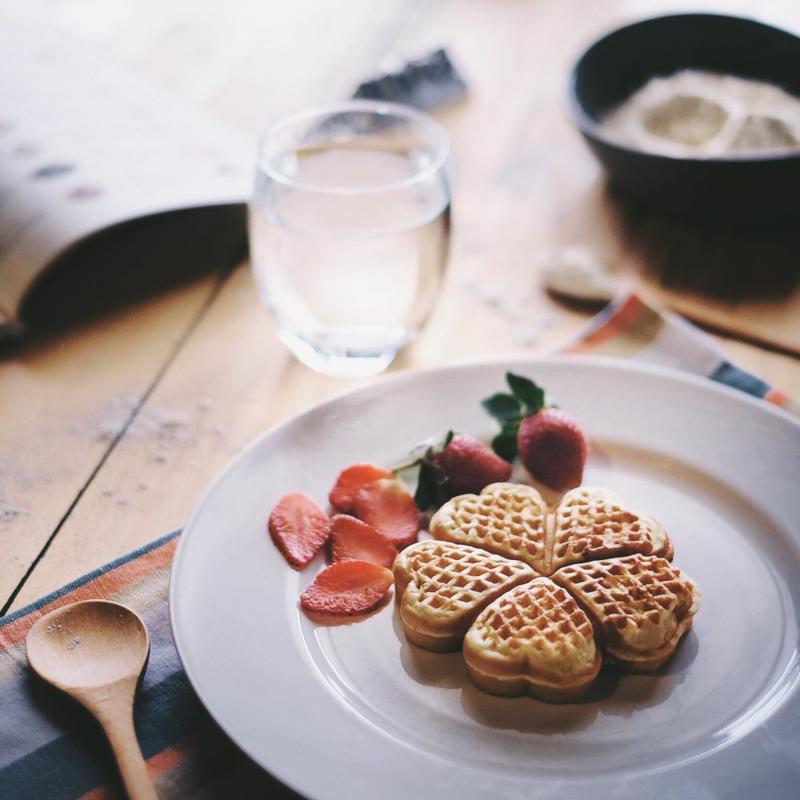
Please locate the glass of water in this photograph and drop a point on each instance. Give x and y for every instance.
(349, 231)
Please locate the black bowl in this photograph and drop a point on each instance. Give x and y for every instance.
(738, 189)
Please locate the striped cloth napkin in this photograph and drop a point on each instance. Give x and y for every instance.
(630, 328)
(50, 748)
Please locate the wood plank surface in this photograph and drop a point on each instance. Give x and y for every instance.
(63, 404)
(523, 185)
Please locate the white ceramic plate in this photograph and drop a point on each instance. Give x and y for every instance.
(354, 711)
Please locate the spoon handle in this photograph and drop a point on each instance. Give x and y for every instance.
(132, 767)
(115, 714)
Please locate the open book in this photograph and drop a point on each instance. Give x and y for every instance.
(91, 159)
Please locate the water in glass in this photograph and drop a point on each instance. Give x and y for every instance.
(349, 256)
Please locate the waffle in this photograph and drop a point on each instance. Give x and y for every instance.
(442, 587)
(533, 640)
(508, 519)
(592, 523)
(640, 606)
(513, 520)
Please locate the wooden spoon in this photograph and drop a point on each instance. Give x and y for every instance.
(95, 651)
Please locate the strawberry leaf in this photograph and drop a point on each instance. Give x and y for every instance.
(526, 392)
(505, 443)
(431, 492)
(503, 407)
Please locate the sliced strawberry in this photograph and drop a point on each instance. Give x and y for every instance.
(347, 588)
(386, 505)
(350, 480)
(354, 540)
(299, 527)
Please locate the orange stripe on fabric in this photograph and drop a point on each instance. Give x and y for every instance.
(622, 318)
(102, 586)
(158, 764)
(101, 793)
(777, 397)
(166, 760)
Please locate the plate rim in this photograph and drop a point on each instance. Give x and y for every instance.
(601, 362)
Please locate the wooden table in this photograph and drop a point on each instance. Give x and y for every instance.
(111, 431)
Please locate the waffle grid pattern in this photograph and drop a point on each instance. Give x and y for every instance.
(449, 579)
(630, 596)
(591, 523)
(539, 617)
(506, 519)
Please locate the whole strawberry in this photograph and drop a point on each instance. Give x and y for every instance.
(470, 465)
(550, 443)
(552, 448)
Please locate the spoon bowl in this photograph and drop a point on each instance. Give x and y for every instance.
(88, 644)
(95, 651)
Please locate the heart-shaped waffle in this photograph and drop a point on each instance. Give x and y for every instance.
(505, 518)
(592, 523)
(611, 582)
(533, 640)
(640, 606)
(513, 520)
(442, 587)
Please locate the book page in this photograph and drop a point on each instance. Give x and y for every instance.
(85, 143)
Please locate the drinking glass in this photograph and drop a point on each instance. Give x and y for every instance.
(349, 231)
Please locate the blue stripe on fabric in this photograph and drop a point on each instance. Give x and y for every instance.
(90, 576)
(737, 378)
(80, 759)
(166, 715)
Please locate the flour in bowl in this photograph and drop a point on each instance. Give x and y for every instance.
(695, 114)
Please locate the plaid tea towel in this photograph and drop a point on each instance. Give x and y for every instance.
(630, 328)
(52, 749)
